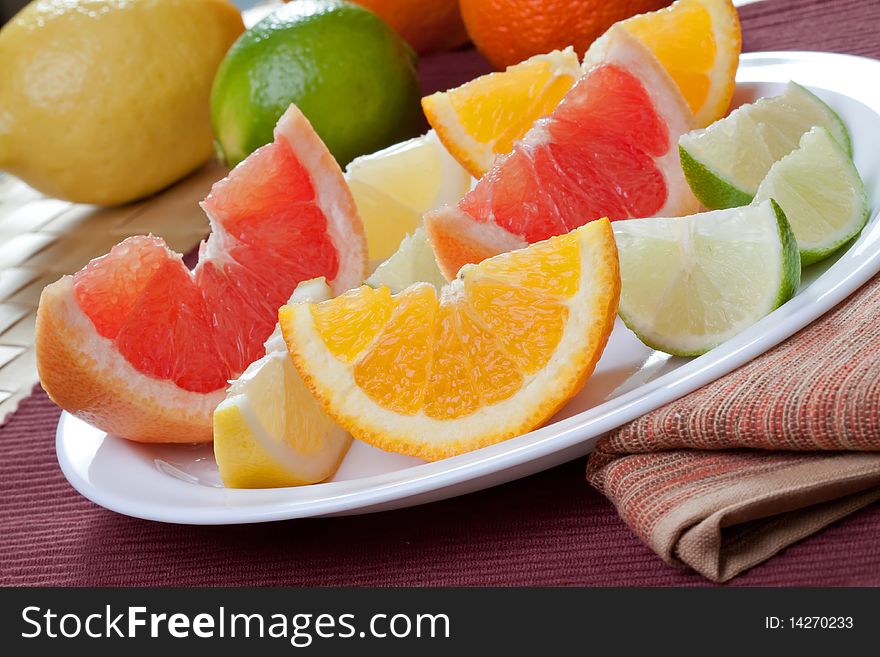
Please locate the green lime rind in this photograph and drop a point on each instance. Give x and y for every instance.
(711, 190)
(812, 256)
(791, 258)
(351, 75)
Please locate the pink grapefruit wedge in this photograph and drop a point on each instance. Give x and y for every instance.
(609, 149)
(140, 346)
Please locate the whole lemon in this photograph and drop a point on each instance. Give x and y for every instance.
(344, 67)
(107, 101)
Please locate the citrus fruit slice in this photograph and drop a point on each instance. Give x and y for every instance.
(689, 284)
(394, 187)
(493, 356)
(725, 163)
(413, 262)
(483, 117)
(698, 42)
(140, 346)
(270, 431)
(608, 150)
(820, 191)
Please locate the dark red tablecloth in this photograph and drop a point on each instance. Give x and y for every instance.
(549, 529)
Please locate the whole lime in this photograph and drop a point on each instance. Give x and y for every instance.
(343, 66)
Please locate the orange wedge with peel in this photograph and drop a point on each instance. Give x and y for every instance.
(493, 355)
(482, 118)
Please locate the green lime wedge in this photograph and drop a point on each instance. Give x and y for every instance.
(725, 163)
(821, 193)
(689, 284)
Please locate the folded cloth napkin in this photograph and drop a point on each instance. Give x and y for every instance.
(731, 474)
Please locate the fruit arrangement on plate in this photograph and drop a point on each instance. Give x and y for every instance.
(454, 290)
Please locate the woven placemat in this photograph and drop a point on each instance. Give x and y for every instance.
(41, 239)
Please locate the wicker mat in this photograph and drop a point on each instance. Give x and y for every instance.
(42, 239)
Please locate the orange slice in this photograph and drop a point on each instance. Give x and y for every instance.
(492, 356)
(698, 42)
(482, 118)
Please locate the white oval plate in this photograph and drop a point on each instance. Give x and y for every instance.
(180, 483)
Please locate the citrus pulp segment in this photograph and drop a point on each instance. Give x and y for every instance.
(608, 150)
(725, 163)
(270, 431)
(690, 283)
(394, 187)
(698, 42)
(482, 118)
(413, 262)
(820, 191)
(494, 355)
(140, 346)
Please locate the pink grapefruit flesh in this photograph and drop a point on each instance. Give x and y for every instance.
(167, 336)
(608, 150)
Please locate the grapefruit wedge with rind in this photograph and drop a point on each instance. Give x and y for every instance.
(608, 150)
(492, 356)
(139, 346)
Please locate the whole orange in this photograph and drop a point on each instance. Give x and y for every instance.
(427, 25)
(509, 31)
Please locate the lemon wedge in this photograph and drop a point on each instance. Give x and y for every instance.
(270, 431)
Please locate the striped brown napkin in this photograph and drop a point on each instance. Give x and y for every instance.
(731, 474)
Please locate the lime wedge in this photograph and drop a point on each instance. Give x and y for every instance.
(821, 193)
(689, 284)
(725, 163)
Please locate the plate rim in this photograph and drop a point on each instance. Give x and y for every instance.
(468, 471)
